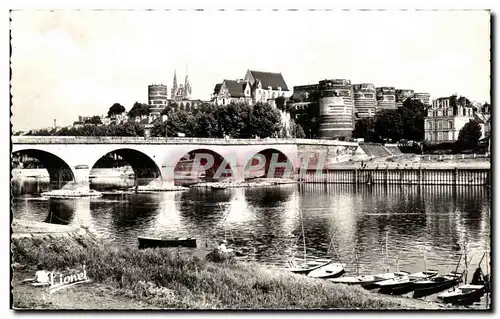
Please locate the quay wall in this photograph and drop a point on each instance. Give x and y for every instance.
(408, 176)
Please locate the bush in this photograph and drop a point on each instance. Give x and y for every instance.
(217, 256)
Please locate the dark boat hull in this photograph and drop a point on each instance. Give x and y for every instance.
(465, 298)
(397, 289)
(166, 243)
(429, 289)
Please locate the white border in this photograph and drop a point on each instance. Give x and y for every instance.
(212, 5)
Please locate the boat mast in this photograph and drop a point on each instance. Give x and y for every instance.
(425, 260)
(465, 260)
(397, 262)
(387, 250)
(456, 269)
(303, 234)
(356, 257)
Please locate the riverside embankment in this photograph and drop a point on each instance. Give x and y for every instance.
(129, 278)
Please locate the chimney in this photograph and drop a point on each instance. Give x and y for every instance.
(54, 123)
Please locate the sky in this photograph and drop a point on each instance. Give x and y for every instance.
(70, 63)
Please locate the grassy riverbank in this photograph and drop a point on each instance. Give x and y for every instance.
(125, 277)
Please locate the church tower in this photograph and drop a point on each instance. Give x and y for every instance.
(187, 86)
(174, 87)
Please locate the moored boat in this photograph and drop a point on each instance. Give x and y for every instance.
(387, 286)
(463, 294)
(145, 242)
(367, 281)
(434, 285)
(332, 270)
(305, 267)
(218, 187)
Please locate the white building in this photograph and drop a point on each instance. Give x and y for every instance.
(445, 118)
(255, 87)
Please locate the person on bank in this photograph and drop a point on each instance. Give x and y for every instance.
(41, 277)
(478, 277)
(223, 248)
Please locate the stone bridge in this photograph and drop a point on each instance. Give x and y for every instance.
(154, 160)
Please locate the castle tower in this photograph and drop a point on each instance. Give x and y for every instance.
(336, 108)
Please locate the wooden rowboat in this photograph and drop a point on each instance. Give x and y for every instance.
(145, 242)
(463, 294)
(218, 187)
(387, 286)
(331, 270)
(305, 267)
(431, 286)
(367, 281)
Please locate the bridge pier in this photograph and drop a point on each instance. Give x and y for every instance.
(82, 182)
(239, 173)
(158, 184)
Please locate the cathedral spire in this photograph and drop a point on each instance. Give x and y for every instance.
(175, 80)
(187, 86)
(174, 86)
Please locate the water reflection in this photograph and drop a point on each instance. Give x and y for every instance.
(61, 212)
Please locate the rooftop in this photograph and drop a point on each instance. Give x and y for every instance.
(269, 79)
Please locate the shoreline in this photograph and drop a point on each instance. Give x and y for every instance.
(129, 279)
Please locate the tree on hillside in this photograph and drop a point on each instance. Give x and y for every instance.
(177, 123)
(116, 108)
(388, 125)
(297, 130)
(469, 136)
(138, 109)
(265, 121)
(280, 103)
(167, 110)
(94, 120)
(412, 115)
(307, 118)
(463, 101)
(159, 129)
(363, 128)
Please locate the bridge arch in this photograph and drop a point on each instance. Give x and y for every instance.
(60, 173)
(202, 164)
(145, 168)
(269, 163)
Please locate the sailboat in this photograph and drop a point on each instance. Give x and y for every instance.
(331, 270)
(467, 293)
(305, 267)
(399, 284)
(369, 281)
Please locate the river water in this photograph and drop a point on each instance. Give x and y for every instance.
(412, 221)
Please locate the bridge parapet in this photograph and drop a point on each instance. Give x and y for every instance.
(324, 142)
(170, 140)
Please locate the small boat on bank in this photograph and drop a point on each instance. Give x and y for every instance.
(368, 281)
(305, 267)
(218, 187)
(332, 270)
(463, 294)
(146, 242)
(387, 286)
(422, 288)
